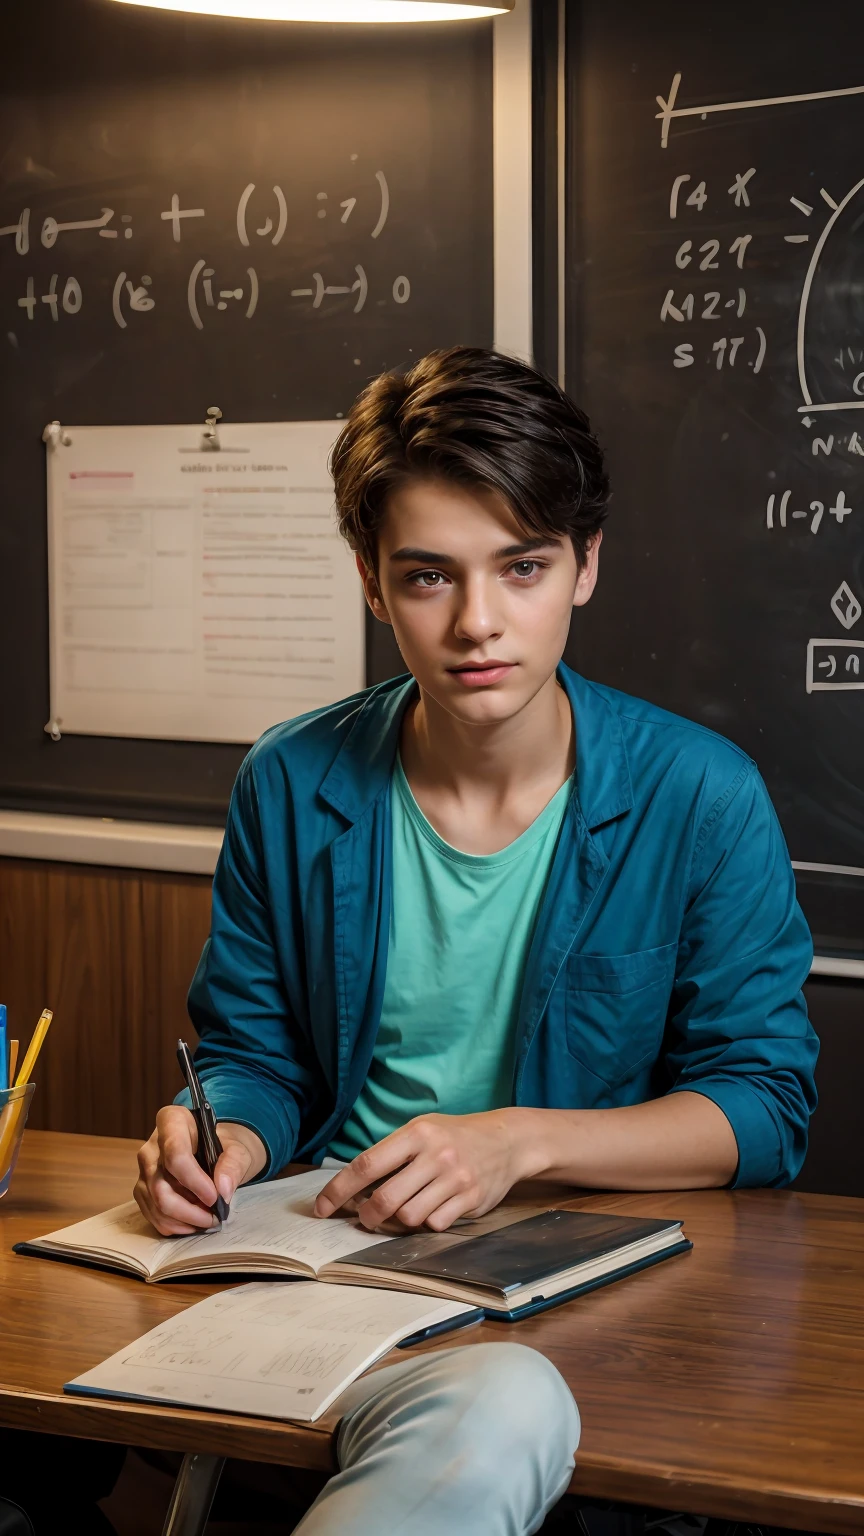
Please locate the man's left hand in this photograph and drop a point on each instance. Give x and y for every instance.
(431, 1171)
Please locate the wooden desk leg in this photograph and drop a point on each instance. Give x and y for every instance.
(194, 1492)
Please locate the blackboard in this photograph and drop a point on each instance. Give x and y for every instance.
(277, 162)
(715, 333)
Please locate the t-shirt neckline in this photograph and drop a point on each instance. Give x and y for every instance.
(552, 812)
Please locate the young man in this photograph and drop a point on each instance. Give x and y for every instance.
(488, 923)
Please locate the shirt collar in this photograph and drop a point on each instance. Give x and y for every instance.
(364, 763)
(603, 783)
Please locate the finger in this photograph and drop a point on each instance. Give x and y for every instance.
(415, 1209)
(172, 1200)
(164, 1177)
(176, 1117)
(458, 1205)
(151, 1175)
(382, 1159)
(178, 1138)
(395, 1193)
(232, 1168)
(141, 1198)
(148, 1158)
(162, 1224)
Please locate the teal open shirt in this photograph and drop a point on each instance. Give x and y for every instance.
(669, 951)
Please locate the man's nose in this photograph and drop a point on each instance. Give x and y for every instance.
(477, 617)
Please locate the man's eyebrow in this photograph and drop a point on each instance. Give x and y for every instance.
(510, 551)
(542, 541)
(421, 556)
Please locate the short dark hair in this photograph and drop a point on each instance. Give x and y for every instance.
(480, 419)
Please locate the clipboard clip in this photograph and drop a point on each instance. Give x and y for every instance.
(210, 436)
(54, 435)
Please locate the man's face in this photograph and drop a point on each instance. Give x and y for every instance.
(480, 610)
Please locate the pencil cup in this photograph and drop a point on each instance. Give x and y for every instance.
(14, 1106)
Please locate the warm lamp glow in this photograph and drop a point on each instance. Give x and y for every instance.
(336, 10)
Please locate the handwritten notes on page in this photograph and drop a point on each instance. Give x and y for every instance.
(282, 1351)
(271, 1229)
(197, 593)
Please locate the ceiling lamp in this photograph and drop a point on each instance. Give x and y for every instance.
(337, 10)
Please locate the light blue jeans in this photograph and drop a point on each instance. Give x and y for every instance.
(475, 1441)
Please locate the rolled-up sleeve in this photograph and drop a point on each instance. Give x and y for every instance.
(739, 1031)
(253, 1058)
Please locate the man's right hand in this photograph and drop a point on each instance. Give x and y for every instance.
(173, 1191)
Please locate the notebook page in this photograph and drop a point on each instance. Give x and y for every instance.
(276, 1219)
(273, 1219)
(281, 1351)
(121, 1232)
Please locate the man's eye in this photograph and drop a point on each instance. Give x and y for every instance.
(523, 568)
(426, 579)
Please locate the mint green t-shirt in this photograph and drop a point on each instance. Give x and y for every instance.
(460, 930)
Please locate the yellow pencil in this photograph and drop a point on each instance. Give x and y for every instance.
(34, 1047)
(13, 1061)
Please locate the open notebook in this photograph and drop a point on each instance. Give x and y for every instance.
(282, 1351)
(271, 1230)
(508, 1266)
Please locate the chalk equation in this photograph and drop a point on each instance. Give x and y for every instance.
(688, 307)
(670, 111)
(64, 295)
(834, 665)
(690, 191)
(779, 513)
(715, 255)
(724, 235)
(175, 217)
(70, 297)
(52, 228)
(262, 217)
(845, 606)
(223, 296)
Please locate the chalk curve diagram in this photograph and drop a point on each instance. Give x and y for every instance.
(805, 299)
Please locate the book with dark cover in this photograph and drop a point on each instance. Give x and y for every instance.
(540, 1260)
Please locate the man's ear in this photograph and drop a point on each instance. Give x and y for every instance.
(372, 590)
(586, 581)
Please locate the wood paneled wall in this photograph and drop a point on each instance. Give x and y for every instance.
(112, 951)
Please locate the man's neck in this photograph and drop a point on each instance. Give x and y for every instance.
(482, 785)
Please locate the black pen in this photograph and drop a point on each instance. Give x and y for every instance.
(209, 1145)
(450, 1325)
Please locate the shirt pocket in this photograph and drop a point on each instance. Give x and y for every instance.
(616, 1008)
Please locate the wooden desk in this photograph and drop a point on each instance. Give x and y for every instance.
(726, 1382)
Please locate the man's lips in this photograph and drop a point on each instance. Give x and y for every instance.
(481, 674)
